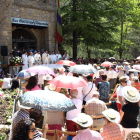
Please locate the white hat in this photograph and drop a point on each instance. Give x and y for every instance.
(83, 120)
(112, 115)
(131, 94)
(51, 87)
(96, 93)
(23, 107)
(126, 63)
(48, 77)
(133, 70)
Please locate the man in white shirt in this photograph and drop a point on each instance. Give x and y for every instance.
(53, 58)
(112, 78)
(123, 83)
(66, 56)
(25, 61)
(59, 56)
(126, 67)
(31, 60)
(89, 89)
(37, 58)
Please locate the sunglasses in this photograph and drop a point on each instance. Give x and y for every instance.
(33, 130)
(124, 81)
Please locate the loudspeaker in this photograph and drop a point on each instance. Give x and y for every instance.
(4, 51)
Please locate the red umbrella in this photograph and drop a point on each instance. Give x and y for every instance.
(106, 64)
(66, 63)
(68, 82)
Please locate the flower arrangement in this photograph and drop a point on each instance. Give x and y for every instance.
(16, 61)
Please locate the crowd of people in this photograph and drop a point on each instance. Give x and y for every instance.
(118, 83)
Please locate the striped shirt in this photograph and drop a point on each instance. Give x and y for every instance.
(20, 115)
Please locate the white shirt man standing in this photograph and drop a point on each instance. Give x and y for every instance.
(112, 78)
(66, 56)
(89, 89)
(53, 58)
(59, 56)
(31, 60)
(25, 61)
(37, 58)
(44, 55)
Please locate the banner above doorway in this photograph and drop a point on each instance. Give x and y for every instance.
(29, 22)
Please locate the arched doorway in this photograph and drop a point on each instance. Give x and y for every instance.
(23, 39)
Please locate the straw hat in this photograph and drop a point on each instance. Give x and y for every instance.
(83, 120)
(51, 87)
(48, 77)
(126, 63)
(131, 94)
(112, 115)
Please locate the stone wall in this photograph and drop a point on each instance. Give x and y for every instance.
(42, 10)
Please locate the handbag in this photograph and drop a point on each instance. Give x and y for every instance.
(84, 102)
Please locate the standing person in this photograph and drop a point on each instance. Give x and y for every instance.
(126, 68)
(31, 59)
(66, 56)
(10, 56)
(59, 56)
(104, 88)
(130, 111)
(25, 60)
(53, 58)
(48, 59)
(44, 55)
(15, 51)
(88, 90)
(37, 58)
(7, 82)
(112, 78)
(41, 80)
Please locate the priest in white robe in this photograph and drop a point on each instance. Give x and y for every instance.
(37, 58)
(53, 58)
(25, 61)
(31, 60)
(58, 56)
(66, 56)
(44, 57)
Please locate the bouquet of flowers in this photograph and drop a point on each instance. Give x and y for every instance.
(16, 60)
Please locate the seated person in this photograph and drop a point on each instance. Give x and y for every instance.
(112, 130)
(32, 84)
(7, 82)
(25, 130)
(70, 115)
(95, 107)
(15, 84)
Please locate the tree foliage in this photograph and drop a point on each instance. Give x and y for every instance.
(99, 24)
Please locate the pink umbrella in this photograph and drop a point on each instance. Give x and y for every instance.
(40, 70)
(66, 63)
(137, 67)
(138, 58)
(106, 64)
(68, 82)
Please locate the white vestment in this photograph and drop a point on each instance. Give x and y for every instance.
(37, 58)
(31, 60)
(48, 59)
(44, 55)
(53, 58)
(66, 57)
(58, 56)
(25, 62)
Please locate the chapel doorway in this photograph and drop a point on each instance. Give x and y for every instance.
(23, 39)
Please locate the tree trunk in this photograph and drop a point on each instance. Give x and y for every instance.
(74, 32)
(121, 41)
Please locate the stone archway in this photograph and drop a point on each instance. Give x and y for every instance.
(23, 39)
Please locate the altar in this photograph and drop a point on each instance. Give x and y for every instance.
(14, 70)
